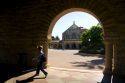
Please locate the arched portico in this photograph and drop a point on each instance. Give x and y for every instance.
(26, 24)
(108, 43)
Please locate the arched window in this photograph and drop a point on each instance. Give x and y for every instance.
(67, 46)
(73, 46)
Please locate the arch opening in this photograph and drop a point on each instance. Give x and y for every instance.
(69, 45)
(53, 22)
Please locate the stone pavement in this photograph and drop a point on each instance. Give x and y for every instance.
(60, 75)
(66, 66)
(72, 59)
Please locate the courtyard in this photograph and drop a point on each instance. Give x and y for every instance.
(72, 59)
(67, 66)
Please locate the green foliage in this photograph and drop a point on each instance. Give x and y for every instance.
(52, 37)
(92, 39)
(55, 38)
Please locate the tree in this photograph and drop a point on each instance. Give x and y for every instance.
(57, 38)
(85, 39)
(52, 37)
(92, 39)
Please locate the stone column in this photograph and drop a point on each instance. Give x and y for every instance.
(119, 61)
(108, 62)
(108, 58)
(45, 50)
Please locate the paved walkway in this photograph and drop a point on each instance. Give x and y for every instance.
(73, 60)
(60, 75)
(66, 66)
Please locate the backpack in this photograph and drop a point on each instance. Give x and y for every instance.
(43, 58)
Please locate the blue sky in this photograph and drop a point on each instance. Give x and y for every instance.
(82, 19)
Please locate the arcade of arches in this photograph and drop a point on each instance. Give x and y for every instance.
(26, 24)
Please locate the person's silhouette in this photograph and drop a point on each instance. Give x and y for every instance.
(40, 60)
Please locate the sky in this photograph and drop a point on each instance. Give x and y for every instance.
(82, 19)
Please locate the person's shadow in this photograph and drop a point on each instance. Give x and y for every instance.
(30, 79)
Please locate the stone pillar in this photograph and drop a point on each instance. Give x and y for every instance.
(108, 62)
(119, 62)
(45, 50)
(108, 58)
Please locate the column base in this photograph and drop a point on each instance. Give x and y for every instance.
(106, 78)
(118, 78)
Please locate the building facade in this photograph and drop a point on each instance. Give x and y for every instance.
(55, 44)
(71, 37)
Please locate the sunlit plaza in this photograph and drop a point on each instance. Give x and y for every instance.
(67, 66)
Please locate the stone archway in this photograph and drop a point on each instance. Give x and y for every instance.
(107, 24)
(58, 16)
(105, 12)
(109, 55)
(25, 25)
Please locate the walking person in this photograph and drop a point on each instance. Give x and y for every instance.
(40, 60)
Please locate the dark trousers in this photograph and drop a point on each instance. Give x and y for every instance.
(40, 67)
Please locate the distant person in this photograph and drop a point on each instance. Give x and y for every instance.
(40, 60)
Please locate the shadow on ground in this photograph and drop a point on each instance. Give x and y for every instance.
(30, 79)
(87, 55)
(8, 71)
(97, 63)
